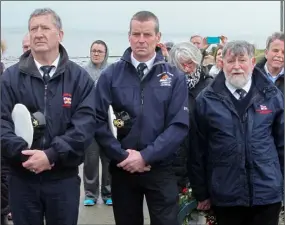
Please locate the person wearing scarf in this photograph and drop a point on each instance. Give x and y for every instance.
(187, 57)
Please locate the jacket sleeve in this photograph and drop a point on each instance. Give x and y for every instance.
(278, 133)
(69, 148)
(197, 155)
(103, 134)
(176, 124)
(11, 144)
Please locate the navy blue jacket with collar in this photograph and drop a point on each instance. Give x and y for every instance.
(280, 80)
(239, 161)
(157, 105)
(69, 107)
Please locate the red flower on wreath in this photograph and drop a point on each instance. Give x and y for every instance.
(184, 190)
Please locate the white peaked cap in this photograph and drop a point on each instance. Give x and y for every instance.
(111, 118)
(23, 123)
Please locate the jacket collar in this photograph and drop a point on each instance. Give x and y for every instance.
(262, 84)
(27, 64)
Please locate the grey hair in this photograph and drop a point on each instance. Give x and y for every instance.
(143, 16)
(275, 36)
(196, 35)
(184, 51)
(47, 11)
(239, 48)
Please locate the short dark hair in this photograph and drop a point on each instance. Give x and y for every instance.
(143, 16)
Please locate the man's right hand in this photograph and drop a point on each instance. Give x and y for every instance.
(204, 205)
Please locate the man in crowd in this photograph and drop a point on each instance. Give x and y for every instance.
(273, 63)
(237, 169)
(197, 40)
(150, 101)
(44, 179)
(26, 43)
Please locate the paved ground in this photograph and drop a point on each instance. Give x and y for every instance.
(101, 214)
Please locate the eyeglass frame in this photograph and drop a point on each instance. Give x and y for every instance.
(97, 51)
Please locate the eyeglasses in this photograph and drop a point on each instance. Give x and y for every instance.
(97, 51)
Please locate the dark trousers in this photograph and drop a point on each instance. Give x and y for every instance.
(32, 200)
(160, 189)
(256, 215)
(91, 172)
(4, 190)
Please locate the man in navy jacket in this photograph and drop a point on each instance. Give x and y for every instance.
(150, 100)
(44, 179)
(238, 166)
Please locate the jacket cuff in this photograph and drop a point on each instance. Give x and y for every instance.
(146, 155)
(52, 155)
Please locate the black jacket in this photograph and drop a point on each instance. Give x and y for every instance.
(279, 82)
(180, 162)
(68, 103)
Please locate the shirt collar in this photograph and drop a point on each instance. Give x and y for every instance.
(233, 89)
(148, 63)
(55, 64)
(273, 78)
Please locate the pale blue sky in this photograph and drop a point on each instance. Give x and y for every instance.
(109, 21)
(259, 17)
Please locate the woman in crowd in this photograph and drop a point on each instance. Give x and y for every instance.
(215, 69)
(99, 54)
(187, 57)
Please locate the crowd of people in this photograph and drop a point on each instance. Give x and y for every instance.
(184, 113)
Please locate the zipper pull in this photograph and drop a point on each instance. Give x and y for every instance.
(142, 97)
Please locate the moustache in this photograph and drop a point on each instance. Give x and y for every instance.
(237, 71)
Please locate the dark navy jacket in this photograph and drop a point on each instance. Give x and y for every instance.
(280, 80)
(157, 105)
(70, 121)
(239, 161)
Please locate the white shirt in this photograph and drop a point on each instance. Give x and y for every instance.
(148, 63)
(55, 64)
(233, 89)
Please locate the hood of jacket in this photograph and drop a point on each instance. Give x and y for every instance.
(93, 70)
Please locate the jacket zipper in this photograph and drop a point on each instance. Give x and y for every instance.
(141, 113)
(45, 101)
(245, 145)
(247, 165)
(142, 100)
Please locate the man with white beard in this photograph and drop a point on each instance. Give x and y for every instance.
(237, 168)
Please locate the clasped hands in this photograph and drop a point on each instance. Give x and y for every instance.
(134, 162)
(37, 162)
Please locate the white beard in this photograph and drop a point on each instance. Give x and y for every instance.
(238, 81)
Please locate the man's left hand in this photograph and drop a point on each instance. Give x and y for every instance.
(134, 162)
(37, 162)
